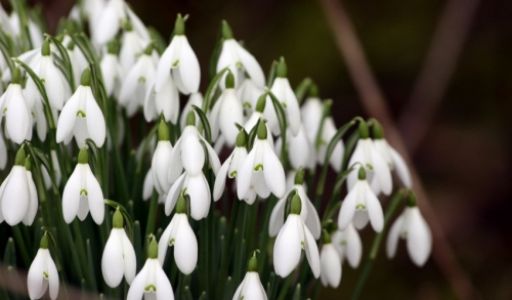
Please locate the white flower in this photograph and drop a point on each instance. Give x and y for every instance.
(194, 99)
(151, 281)
(82, 193)
(349, 245)
(251, 288)
(161, 160)
(262, 170)
(226, 113)
(181, 237)
(42, 274)
(148, 185)
(294, 237)
(330, 274)
(365, 153)
(78, 60)
(111, 71)
(238, 60)
(132, 45)
(300, 149)
(231, 166)
(34, 32)
(118, 257)
(412, 227)
(17, 112)
(18, 195)
(197, 188)
(93, 10)
(136, 84)
(164, 102)
(180, 61)
(81, 117)
(248, 92)
(360, 206)
(308, 213)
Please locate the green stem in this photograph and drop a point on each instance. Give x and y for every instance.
(151, 221)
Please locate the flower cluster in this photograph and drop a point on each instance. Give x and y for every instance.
(105, 96)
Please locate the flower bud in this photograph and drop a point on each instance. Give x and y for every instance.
(85, 80)
(83, 156)
(117, 219)
(179, 25)
(281, 69)
(227, 33)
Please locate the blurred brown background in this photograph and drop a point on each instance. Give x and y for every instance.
(463, 158)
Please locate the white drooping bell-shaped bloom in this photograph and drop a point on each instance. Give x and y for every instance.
(190, 152)
(132, 45)
(286, 96)
(162, 160)
(300, 149)
(111, 70)
(92, 10)
(42, 274)
(148, 185)
(226, 113)
(196, 188)
(294, 237)
(17, 112)
(137, 82)
(82, 193)
(348, 244)
(238, 60)
(308, 213)
(248, 92)
(231, 167)
(181, 237)
(330, 262)
(118, 259)
(411, 226)
(163, 102)
(360, 206)
(77, 58)
(18, 194)
(151, 282)
(261, 170)
(81, 117)
(194, 99)
(180, 62)
(394, 160)
(251, 288)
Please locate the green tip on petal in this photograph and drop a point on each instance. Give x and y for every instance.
(227, 33)
(85, 80)
(377, 130)
(117, 219)
(113, 47)
(252, 265)
(179, 25)
(296, 205)
(313, 90)
(262, 130)
(20, 158)
(241, 138)
(361, 175)
(299, 176)
(163, 131)
(45, 48)
(230, 80)
(16, 76)
(281, 70)
(44, 241)
(411, 199)
(83, 156)
(363, 130)
(326, 237)
(152, 247)
(181, 205)
(260, 104)
(191, 118)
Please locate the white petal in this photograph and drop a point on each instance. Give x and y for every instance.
(112, 265)
(53, 278)
(354, 246)
(71, 195)
(95, 121)
(18, 118)
(252, 288)
(312, 219)
(185, 247)
(220, 179)
(287, 248)
(174, 192)
(312, 254)
(160, 166)
(393, 236)
(199, 192)
(419, 238)
(15, 198)
(330, 265)
(375, 213)
(401, 168)
(130, 261)
(188, 73)
(109, 22)
(33, 201)
(347, 210)
(147, 188)
(35, 281)
(163, 285)
(277, 217)
(245, 174)
(192, 154)
(230, 113)
(136, 290)
(382, 173)
(273, 172)
(251, 66)
(95, 198)
(67, 116)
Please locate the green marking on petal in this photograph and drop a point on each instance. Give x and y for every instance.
(232, 174)
(45, 275)
(176, 63)
(258, 167)
(360, 206)
(83, 192)
(150, 288)
(81, 114)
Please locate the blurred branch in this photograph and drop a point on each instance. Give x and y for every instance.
(438, 67)
(376, 106)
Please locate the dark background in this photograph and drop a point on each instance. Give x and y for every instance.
(463, 159)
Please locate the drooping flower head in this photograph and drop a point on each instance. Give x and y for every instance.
(251, 288)
(42, 274)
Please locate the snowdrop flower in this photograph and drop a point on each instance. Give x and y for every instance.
(330, 262)
(180, 62)
(136, 84)
(300, 149)
(365, 153)
(78, 60)
(42, 274)
(196, 187)
(151, 281)
(148, 186)
(118, 257)
(82, 193)
(164, 102)
(181, 237)
(251, 288)
(111, 70)
(18, 194)
(360, 206)
(308, 213)
(34, 32)
(92, 9)
(391, 156)
(227, 112)
(230, 167)
(132, 45)
(238, 60)
(261, 169)
(161, 160)
(283, 92)
(348, 244)
(256, 116)
(81, 116)
(411, 226)
(194, 99)
(248, 92)
(294, 237)
(17, 112)
(190, 152)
